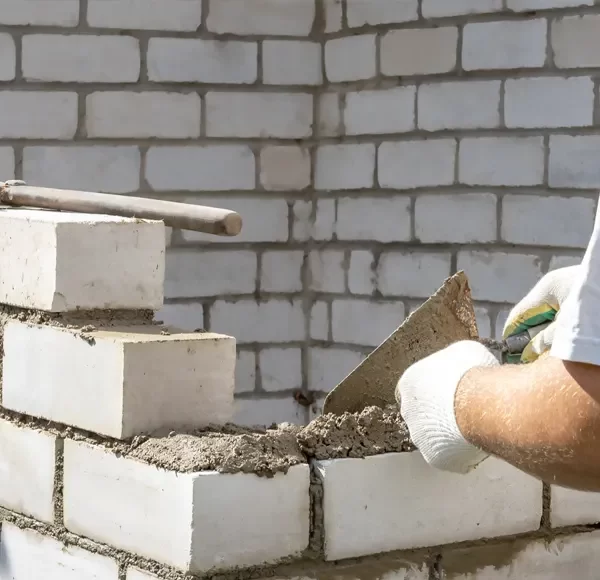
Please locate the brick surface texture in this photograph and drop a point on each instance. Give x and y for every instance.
(372, 147)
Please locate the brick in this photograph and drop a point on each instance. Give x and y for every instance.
(319, 321)
(573, 161)
(200, 167)
(8, 63)
(261, 17)
(108, 59)
(251, 321)
(7, 163)
(143, 115)
(327, 271)
(549, 102)
(328, 366)
(440, 8)
(135, 574)
(351, 58)
(316, 225)
(409, 505)
(504, 45)
(333, 15)
(484, 325)
(27, 554)
(381, 111)
(547, 221)
(345, 166)
(184, 60)
(192, 274)
(437, 216)
(501, 319)
(187, 508)
(419, 51)
(70, 261)
(500, 277)
(524, 5)
(330, 116)
(245, 372)
(39, 12)
(381, 219)
(413, 274)
(105, 168)
(407, 164)
(361, 12)
(361, 275)
(284, 168)
(305, 56)
(282, 271)
(501, 161)
(181, 15)
(459, 105)
(284, 115)
(576, 41)
(27, 460)
(265, 412)
(564, 261)
(364, 322)
(569, 507)
(280, 368)
(121, 382)
(185, 316)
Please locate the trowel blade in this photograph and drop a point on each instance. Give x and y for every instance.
(446, 317)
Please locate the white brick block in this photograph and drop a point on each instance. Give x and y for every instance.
(292, 62)
(501, 319)
(574, 161)
(194, 274)
(319, 321)
(437, 216)
(361, 12)
(501, 160)
(327, 271)
(181, 15)
(419, 51)
(108, 59)
(284, 115)
(500, 277)
(410, 505)
(381, 219)
(504, 45)
(484, 323)
(39, 12)
(198, 60)
(196, 522)
(187, 316)
(361, 273)
(330, 116)
(547, 221)
(333, 15)
(251, 321)
(381, 111)
(351, 58)
(345, 166)
(282, 271)
(135, 574)
(314, 221)
(411, 164)
(261, 17)
(265, 412)
(576, 41)
(38, 115)
(245, 372)
(104, 168)
(280, 368)
(123, 382)
(8, 59)
(202, 167)
(413, 274)
(26, 555)
(570, 507)
(549, 102)
(364, 322)
(7, 163)
(27, 460)
(59, 261)
(564, 261)
(328, 366)
(525, 5)
(284, 168)
(440, 8)
(143, 115)
(459, 105)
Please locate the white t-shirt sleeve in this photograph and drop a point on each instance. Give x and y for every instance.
(577, 336)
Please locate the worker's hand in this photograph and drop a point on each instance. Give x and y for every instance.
(541, 305)
(426, 396)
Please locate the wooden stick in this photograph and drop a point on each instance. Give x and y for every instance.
(184, 216)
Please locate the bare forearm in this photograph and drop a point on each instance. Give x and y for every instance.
(544, 418)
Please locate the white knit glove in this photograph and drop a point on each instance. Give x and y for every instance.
(426, 396)
(542, 304)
